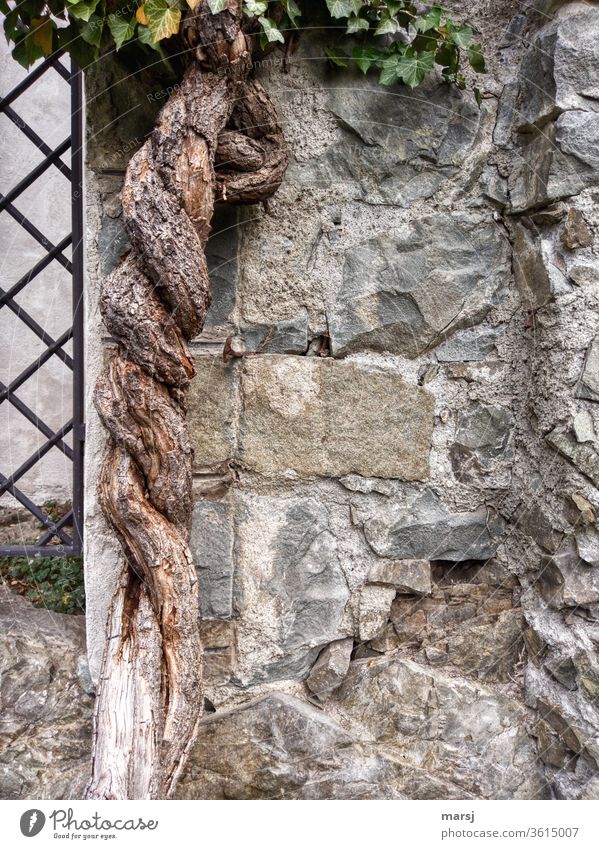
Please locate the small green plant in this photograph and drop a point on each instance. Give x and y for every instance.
(55, 583)
(402, 41)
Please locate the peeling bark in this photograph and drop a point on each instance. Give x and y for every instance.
(216, 139)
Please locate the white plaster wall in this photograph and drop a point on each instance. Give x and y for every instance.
(46, 108)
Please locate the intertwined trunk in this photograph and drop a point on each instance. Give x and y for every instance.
(217, 139)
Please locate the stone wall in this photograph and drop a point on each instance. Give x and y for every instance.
(396, 485)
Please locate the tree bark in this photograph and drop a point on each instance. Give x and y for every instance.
(216, 140)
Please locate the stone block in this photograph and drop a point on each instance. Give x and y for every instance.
(589, 381)
(320, 417)
(330, 669)
(422, 528)
(406, 576)
(407, 292)
(373, 610)
(211, 544)
(212, 412)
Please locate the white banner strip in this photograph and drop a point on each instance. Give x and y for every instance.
(310, 825)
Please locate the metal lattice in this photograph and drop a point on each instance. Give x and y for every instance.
(63, 536)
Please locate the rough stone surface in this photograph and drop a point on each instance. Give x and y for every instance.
(46, 713)
(589, 381)
(212, 405)
(211, 546)
(321, 417)
(482, 442)
(406, 157)
(374, 609)
(407, 576)
(407, 293)
(330, 669)
(423, 528)
(583, 457)
(473, 344)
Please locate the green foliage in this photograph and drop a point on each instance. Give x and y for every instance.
(398, 40)
(55, 583)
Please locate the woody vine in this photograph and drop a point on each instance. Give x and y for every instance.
(217, 140)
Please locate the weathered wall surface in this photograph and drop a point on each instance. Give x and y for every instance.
(396, 487)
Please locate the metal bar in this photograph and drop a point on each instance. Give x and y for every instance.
(77, 141)
(58, 66)
(35, 173)
(22, 87)
(37, 141)
(37, 234)
(64, 520)
(37, 364)
(35, 328)
(36, 421)
(33, 551)
(35, 457)
(43, 518)
(33, 272)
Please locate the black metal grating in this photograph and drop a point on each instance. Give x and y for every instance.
(64, 536)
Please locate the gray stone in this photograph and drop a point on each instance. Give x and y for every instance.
(373, 610)
(285, 337)
(531, 519)
(113, 243)
(506, 114)
(566, 580)
(576, 233)
(406, 576)
(311, 415)
(475, 737)
(531, 266)
(558, 70)
(589, 381)
(308, 585)
(212, 412)
(558, 162)
(278, 747)
(482, 441)
(422, 142)
(474, 344)
(331, 668)
(563, 670)
(46, 712)
(584, 429)
(407, 292)
(223, 265)
(582, 456)
(422, 528)
(211, 545)
(218, 645)
(587, 544)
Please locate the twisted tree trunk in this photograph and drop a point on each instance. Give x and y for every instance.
(217, 139)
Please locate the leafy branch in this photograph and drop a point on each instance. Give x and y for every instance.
(402, 41)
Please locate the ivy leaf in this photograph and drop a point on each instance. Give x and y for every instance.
(41, 33)
(431, 20)
(26, 52)
(192, 4)
(144, 36)
(337, 56)
(252, 8)
(476, 58)
(84, 10)
(121, 29)
(271, 31)
(140, 16)
(413, 67)
(293, 11)
(340, 8)
(163, 20)
(461, 36)
(356, 24)
(387, 25)
(366, 57)
(217, 6)
(477, 96)
(91, 31)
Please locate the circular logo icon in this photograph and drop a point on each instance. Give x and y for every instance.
(32, 822)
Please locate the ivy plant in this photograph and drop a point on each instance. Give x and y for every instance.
(402, 41)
